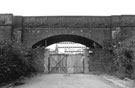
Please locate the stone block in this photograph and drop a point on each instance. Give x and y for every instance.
(17, 33)
(128, 20)
(116, 21)
(6, 19)
(17, 20)
(5, 32)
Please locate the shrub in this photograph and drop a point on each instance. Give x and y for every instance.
(123, 61)
(15, 62)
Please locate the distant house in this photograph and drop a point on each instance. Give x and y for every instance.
(68, 48)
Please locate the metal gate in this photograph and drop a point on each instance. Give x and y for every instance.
(62, 63)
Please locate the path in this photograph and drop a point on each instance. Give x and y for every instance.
(68, 81)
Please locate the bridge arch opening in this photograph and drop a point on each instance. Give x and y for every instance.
(66, 63)
(62, 38)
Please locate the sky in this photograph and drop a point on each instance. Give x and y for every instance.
(67, 7)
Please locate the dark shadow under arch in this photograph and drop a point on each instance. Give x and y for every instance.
(72, 38)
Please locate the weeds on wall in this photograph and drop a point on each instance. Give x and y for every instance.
(124, 58)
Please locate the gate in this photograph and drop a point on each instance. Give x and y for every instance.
(57, 63)
(62, 63)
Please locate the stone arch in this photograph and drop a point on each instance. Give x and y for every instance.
(66, 37)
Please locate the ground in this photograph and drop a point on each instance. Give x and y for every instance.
(72, 81)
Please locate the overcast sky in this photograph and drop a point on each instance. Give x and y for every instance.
(67, 7)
